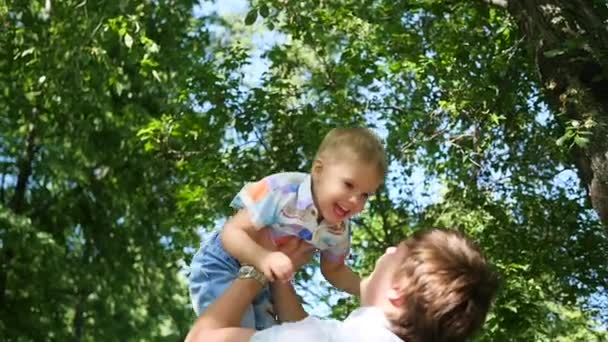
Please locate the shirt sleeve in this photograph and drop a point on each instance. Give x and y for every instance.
(260, 200)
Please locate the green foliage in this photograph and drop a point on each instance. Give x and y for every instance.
(88, 241)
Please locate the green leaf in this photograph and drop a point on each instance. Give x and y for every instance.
(395, 67)
(264, 10)
(581, 141)
(128, 40)
(28, 51)
(561, 140)
(554, 53)
(31, 95)
(251, 17)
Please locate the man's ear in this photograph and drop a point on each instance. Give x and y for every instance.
(396, 296)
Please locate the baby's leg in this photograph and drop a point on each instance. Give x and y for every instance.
(211, 273)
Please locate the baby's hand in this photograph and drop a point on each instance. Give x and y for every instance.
(277, 265)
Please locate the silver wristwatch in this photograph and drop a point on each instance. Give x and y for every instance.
(248, 271)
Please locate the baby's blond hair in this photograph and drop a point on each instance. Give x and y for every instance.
(362, 142)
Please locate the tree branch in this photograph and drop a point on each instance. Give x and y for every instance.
(79, 320)
(368, 230)
(261, 141)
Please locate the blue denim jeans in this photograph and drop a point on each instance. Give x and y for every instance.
(211, 272)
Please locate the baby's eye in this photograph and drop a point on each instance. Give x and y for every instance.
(365, 196)
(349, 185)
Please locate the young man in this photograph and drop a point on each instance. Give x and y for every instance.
(435, 286)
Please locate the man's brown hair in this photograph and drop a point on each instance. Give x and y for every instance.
(448, 288)
(362, 142)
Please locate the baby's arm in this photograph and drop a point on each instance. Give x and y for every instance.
(239, 237)
(340, 275)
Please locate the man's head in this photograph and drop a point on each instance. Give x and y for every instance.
(435, 286)
(349, 165)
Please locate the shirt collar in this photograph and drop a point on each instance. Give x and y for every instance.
(305, 199)
(371, 313)
(373, 322)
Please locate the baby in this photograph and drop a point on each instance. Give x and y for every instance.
(349, 166)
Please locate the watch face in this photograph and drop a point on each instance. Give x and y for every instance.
(246, 271)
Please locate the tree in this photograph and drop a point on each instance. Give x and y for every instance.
(567, 41)
(89, 249)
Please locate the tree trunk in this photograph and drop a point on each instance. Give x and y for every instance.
(25, 171)
(78, 322)
(569, 41)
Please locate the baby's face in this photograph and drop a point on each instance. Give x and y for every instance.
(342, 187)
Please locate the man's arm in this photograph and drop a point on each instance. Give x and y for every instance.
(220, 321)
(341, 276)
(286, 302)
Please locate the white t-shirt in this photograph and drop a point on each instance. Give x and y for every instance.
(363, 324)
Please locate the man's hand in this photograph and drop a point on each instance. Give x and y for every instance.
(286, 302)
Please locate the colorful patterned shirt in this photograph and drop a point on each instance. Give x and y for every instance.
(283, 202)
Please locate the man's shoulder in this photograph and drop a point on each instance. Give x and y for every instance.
(366, 324)
(306, 330)
(363, 325)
